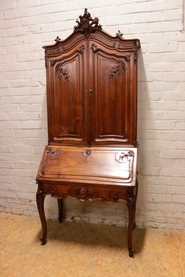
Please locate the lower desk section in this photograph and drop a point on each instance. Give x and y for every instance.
(107, 174)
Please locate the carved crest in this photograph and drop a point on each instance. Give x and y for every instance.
(86, 24)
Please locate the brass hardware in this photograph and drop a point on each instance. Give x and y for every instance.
(90, 91)
(87, 153)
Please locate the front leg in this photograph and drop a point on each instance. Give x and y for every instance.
(60, 210)
(131, 212)
(40, 205)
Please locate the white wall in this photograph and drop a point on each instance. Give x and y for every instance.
(28, 25)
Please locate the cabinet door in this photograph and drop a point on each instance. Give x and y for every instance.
(66, 99)
(114, 98)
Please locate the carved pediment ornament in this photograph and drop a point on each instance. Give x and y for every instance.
(86, 24)
(94, 48)
(81, 49)
(119, 34)
(57, 39)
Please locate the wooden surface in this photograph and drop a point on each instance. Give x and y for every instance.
(92, 89)
(108, 166)
(92, 120)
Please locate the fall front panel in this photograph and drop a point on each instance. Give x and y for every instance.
(111, 166)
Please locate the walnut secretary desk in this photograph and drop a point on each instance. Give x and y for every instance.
(92, 120)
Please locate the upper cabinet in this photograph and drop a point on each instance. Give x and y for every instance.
(92, 87)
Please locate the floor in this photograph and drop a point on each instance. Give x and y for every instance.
(86, 250)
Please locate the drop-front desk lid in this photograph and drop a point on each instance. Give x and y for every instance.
(89, 165)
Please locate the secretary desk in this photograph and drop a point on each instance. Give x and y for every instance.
(92, 120)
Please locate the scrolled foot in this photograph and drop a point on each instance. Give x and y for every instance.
(60, 219)
(43, 241)
(131, 252)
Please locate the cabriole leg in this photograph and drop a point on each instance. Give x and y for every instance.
(131, 212)
(60, 210)
(40, 205)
